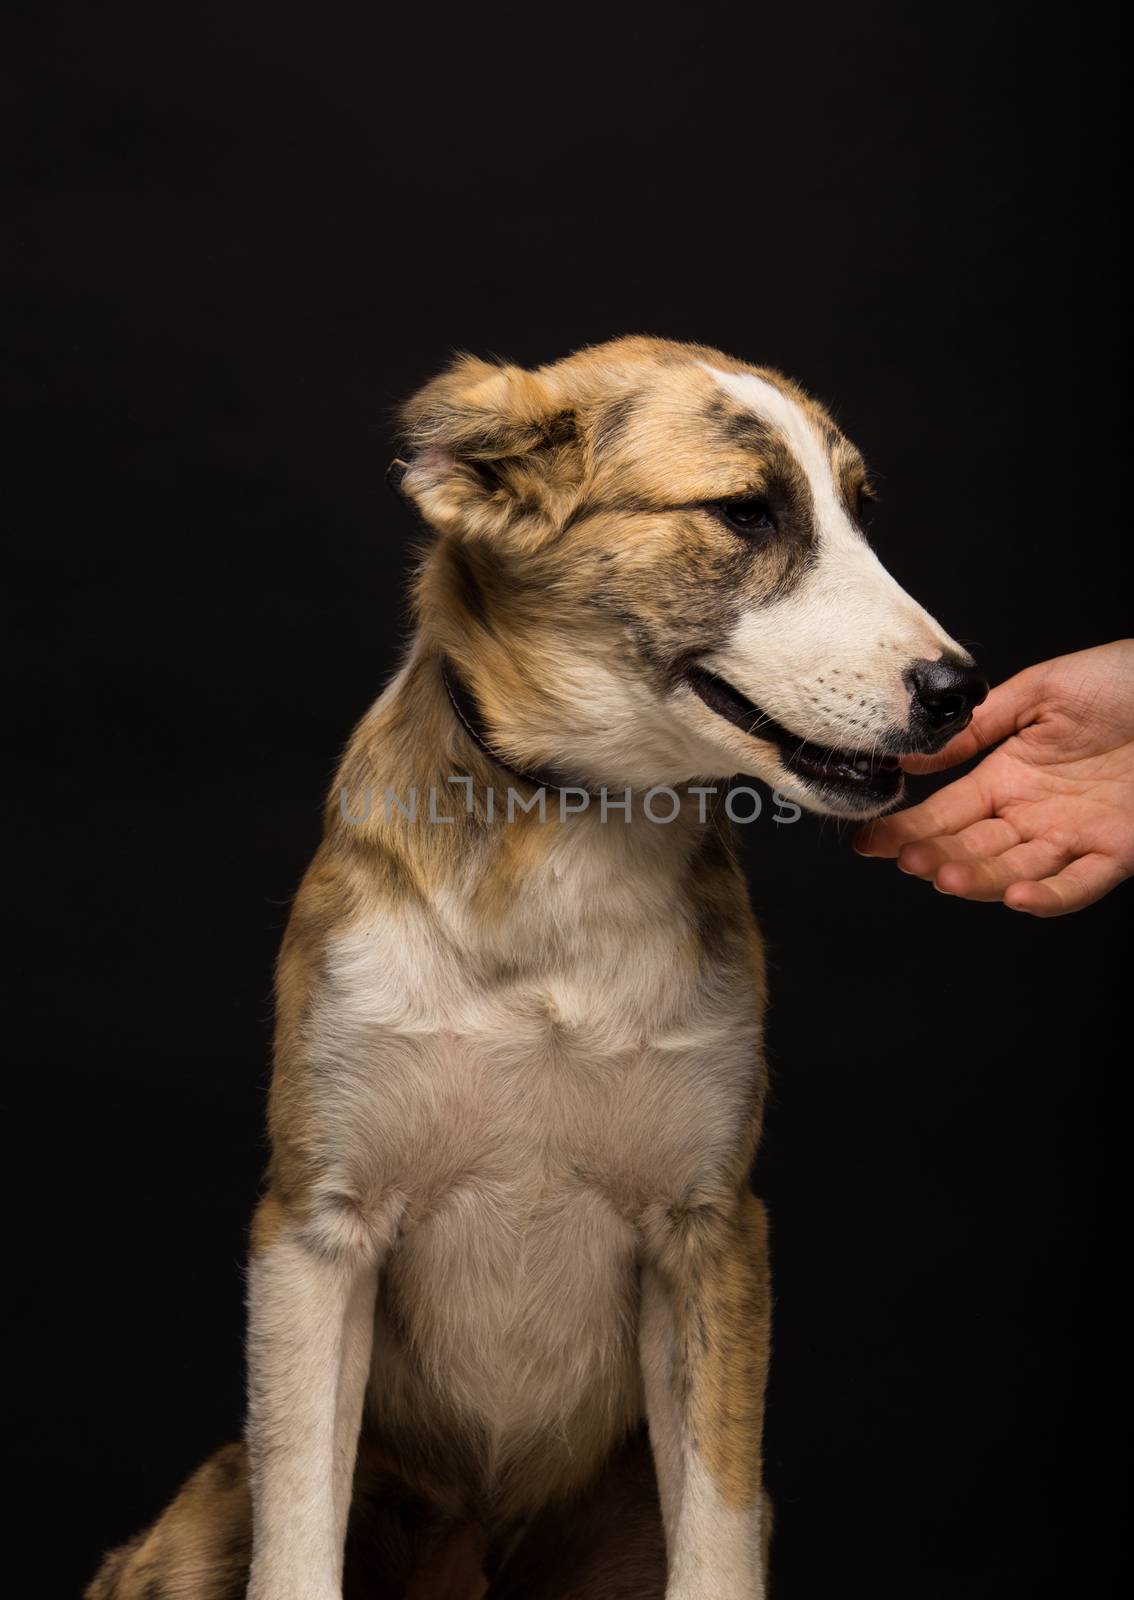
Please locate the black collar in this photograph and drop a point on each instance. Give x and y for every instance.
(468, 713)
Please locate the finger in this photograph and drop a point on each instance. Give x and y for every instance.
(1007, 708)
(1080, 884)
(947, 811)
(989, 837)
(988, 880)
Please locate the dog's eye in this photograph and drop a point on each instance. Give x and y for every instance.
(747, 516)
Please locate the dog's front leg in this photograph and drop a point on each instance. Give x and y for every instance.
(704, 1342)
(310, 1329)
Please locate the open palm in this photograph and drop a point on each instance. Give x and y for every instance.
(1045, 822)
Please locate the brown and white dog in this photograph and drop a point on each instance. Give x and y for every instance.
(518, 1073)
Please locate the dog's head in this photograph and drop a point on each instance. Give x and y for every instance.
(652, 569)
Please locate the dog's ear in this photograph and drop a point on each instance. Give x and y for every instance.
(492, 450)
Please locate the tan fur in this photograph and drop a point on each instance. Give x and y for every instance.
(198, 1550)
(733, 1336)
(518, 1077)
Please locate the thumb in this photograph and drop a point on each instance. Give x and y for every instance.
(1008, 708)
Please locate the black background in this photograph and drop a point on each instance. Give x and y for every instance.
(245, 232)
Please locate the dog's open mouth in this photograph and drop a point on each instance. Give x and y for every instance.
(871, 778)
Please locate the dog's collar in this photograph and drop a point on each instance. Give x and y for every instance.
(468, 714)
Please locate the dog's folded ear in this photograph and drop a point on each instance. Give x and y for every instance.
(493, 450)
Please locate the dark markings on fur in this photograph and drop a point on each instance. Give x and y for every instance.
(696, 595)
(720, 915)
(735, 427)
(467, 581)
(227, 1466)
(855, 489)
(392, 874)
(777, 478)
(561, 429)
(613, 421)
(237, 1549)
(829, 430)
(623, 507)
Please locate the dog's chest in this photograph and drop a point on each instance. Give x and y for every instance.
(514, 1097)
(618, 1065)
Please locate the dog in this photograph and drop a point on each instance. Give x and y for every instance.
(518, 1070)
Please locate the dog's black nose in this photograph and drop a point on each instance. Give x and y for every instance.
(944, 694)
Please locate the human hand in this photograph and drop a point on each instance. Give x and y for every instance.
(1045, 822)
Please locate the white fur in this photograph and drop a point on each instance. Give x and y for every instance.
(716, 1551)
(713, 1552)
(506, 1138)
(667, 1444)
(508, 1103)
(309, 1352)
(828, 660)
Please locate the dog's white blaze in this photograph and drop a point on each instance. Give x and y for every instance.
(829, 659)
(779, 411)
